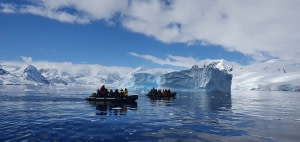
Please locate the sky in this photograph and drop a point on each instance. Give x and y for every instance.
(153, 33)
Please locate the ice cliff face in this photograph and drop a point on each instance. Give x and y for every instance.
(205, 79)
(142, 78)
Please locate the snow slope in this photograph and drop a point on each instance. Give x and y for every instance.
(272, 75)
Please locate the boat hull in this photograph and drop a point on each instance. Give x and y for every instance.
(113, 99)
(161, 96)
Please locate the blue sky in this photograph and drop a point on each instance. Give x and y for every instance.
(134, 33)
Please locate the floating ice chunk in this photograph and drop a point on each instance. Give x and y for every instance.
(206, 79)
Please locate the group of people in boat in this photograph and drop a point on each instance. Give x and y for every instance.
(162, 92)
(103, 92)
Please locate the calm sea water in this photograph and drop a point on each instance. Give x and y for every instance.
(33, 114)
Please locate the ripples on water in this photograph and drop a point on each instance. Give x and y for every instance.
(37, 115)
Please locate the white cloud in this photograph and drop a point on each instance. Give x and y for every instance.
(93, 9)
(82, 69)
(7, 8)
(27, 60)
(250, 27)
(261, 28)
(53, 14)
(71, 11)
(178, 61)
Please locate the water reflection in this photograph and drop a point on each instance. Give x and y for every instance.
(219, 101)
(203, 101)
(166, 101)
(113, 108)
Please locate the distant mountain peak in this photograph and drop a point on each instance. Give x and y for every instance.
(3, 72)
(30, 68)
(141, 68)
(32, 73)
(220, 64)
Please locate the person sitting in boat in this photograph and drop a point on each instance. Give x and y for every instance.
(153, 89)
(116, 93)
(126, 93)
(105, 93)
(159, 92)
(163, 92)
(102, 90)
(121, 92)
(111, 93)
(168, 92)
(98, 93)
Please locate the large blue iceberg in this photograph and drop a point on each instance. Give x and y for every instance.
(194, 79)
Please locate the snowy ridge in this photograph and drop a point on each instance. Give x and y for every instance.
(273, 75)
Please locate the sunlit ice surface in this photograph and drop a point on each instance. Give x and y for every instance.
(37, 113)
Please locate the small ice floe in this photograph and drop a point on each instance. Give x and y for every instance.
(28, 90)
(60, 88)
(116, 108)
(222, 108)
(133, 108)
(58, 128)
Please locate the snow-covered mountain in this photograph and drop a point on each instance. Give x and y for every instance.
(60, 74)
(17, 75)
(31, 73)
(271, 75)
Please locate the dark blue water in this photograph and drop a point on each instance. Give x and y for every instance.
(37, 115)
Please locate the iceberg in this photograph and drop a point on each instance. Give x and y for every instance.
(142, 78)
(195, 79)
